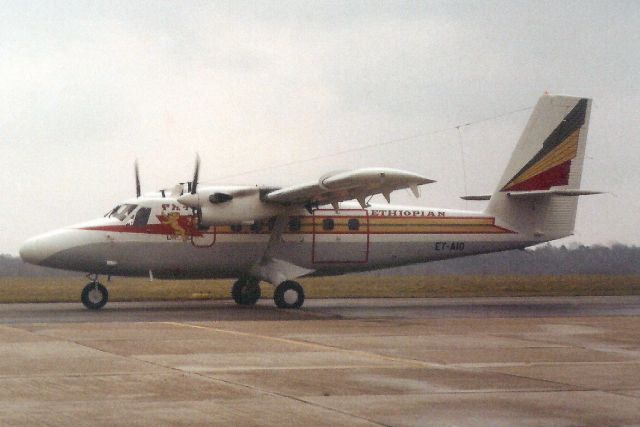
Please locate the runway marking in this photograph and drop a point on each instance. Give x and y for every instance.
(409, 362)
(294, 368)
(415, 363)
(295, 398)
(373, 356)
(548, 363)
(220, 380)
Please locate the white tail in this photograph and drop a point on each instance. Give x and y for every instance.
(536, 192)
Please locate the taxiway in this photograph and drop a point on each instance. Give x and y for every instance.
(463, 362)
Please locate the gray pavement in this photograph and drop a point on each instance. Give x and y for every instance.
(361, 308)
(444, 362)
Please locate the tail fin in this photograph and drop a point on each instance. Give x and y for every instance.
(545, 170)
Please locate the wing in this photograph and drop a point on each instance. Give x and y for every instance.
(356, 184)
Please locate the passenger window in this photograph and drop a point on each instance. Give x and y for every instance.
(353, 224)
(327, 224)
(294, 223)
(236, 228)
(142, 217)
(256, 226)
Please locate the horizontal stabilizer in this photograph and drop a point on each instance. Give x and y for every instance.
(478, 197)
(535, 193)
(541, 193)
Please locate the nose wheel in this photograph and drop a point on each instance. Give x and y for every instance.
(289, 294)
(94, 296)
(246, 291)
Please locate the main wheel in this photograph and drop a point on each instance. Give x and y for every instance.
(246, 291)
(289, 294)
(94, 296)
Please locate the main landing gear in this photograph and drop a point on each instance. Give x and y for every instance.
(246, 291)
(94, 296)
(288, 294)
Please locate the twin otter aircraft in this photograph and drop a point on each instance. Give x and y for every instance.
(258, 233)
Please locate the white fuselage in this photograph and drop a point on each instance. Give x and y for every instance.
(325, 241)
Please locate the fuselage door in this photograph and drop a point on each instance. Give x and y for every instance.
(340, 237)
(205, 238)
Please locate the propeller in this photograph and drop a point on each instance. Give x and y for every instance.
(135, 166)
(196, 172)
(191, 199)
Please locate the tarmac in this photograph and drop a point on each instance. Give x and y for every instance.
(570, 361)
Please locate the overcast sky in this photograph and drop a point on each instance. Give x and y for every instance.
(88, 87)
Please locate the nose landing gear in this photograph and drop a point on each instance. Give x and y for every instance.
(94, 295)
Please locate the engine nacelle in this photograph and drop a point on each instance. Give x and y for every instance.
(226, 205)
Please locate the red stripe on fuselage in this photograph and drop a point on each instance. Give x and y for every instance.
(382, 221)
(148, 229)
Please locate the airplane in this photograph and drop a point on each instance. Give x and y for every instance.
(326, 227)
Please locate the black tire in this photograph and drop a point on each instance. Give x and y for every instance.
(246, 291)
(289, 294)
(94, 296)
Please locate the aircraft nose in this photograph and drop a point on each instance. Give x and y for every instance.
(39, 248)
(30, 251)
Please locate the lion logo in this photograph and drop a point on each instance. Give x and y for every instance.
(178, 224)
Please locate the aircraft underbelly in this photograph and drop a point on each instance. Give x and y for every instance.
(230, 259)
(234, 257)
(392, 253)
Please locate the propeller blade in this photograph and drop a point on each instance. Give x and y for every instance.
(199, 219)
(135, 165)
(194, 183)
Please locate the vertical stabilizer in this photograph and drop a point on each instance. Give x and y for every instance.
(549, 156)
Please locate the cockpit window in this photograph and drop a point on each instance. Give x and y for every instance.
(112, 211)
(142, 217)
(121, 211)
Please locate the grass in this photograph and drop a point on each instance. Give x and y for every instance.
(15, 290)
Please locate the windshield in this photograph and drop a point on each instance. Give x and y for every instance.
(111, 212)
(121, 211)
